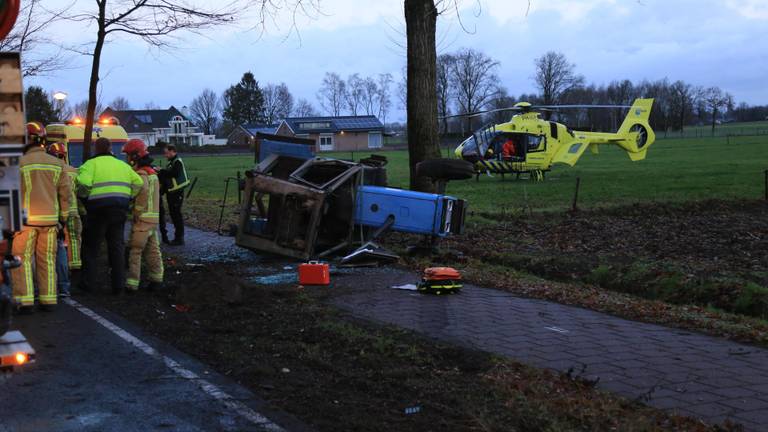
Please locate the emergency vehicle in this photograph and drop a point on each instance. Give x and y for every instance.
(72, 133)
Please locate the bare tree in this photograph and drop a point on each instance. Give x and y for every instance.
(370, 95)
(383, 96)
(683, 96)
(355, 93)
(474, 81)
(444, 94)
(151, 105)
(304, 108)
(333, 94)
(554, 76)
(154, 21)
(80, 109)
(205, 111)
(40, 53)
(120, 104)
(278, 102)
(501, 101)
(716, 100)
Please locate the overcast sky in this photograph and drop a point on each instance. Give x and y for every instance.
(704, 42)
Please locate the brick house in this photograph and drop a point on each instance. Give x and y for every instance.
(244, 136)
(346, 133)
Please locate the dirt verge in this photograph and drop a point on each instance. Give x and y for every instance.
(336, 373)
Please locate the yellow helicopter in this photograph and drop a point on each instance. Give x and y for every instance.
(528, 144)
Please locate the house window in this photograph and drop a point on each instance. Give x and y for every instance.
(374, 140)
(144, 118)
(326, 142)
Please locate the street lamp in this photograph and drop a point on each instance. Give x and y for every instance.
(59, 95)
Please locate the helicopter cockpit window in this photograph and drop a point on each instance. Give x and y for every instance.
(536, 143)
(469, 147)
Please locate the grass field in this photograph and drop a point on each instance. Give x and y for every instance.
(721, 130)
(676, 170)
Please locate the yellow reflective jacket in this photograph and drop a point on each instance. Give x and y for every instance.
(45, 188)
(106, 181)
(74, 205)
(146, 206)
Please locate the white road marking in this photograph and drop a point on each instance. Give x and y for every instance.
(558, 330)
(210, 389)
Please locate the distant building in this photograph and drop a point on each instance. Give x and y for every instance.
(244, 135)
(170, 126)
(347, 133)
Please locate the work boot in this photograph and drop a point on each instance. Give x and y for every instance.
(117, 291)
(46, 307)
(177, 242)
(25, 310)
(154, 286)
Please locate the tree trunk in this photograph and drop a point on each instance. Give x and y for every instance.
(714, 120)
(423, 139)
(90, 115)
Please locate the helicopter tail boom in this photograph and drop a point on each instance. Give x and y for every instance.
(635, 134)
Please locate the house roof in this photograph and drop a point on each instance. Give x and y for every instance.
(314, 125)
(253, 129)
(140, 121)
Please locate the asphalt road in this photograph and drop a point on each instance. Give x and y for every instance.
(88, 378)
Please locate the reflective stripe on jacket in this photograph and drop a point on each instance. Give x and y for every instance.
(71, 173)
(45, 188)
(146, 207)
(106, 181)
(178, 174)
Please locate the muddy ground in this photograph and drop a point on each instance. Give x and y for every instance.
(337, 373)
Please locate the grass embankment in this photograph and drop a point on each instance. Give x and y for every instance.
(511, 219)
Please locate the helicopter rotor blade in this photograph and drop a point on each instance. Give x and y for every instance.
(480, 113)
(580, 106)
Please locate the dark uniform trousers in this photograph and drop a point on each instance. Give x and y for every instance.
(109, 223)
(175, 202)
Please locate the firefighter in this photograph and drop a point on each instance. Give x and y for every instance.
(45, 199)
(68, 253)
(144, 240)
(175, 180)
(107, 184)
(74, 227)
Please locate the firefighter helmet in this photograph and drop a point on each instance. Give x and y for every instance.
(58, 150)
(35, 133)
(135, 148)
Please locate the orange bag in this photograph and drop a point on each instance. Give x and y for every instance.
(441, 273)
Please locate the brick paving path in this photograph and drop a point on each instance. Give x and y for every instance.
(698, 375)
(703, 376)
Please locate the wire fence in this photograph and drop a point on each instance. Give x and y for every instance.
(722, 132)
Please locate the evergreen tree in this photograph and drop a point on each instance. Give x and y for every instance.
(39, 107)
(244, 102)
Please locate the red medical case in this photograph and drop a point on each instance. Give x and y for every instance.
(314, 273)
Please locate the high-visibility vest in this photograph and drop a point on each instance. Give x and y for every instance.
(180, 180)
(146, 207)
(107, 181)
(44, 188)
